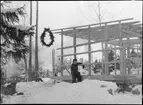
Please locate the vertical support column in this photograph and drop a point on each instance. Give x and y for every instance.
(53, 60)
(102, 51)
(106, 52)
(115, 59)
(36, 42)
(62, 52)
(122, 68)
(103, 67)
(137, 48)
(128, 48)
(128, 55)
(141, 51)
(74, 41)
(89, 49)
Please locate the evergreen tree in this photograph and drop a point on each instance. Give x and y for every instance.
(12, 34)
(133, 53)
(111, 58)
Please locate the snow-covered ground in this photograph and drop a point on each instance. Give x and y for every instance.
(87, 91)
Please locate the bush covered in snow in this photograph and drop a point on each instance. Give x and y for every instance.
(9, 89)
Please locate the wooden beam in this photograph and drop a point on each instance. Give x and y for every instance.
(53, 60)
(62, 51)
(122, 68)
(97, 41)
(102, 51)
(133, 33)
(126, 42)
(141, 49)
(115, 60)
(74, 41)
(135, 79)
(89, 50)
(112, 26)
(136, 26)
(95, 24)
(106, 53)
(99, 35)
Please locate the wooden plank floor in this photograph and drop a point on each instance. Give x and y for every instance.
(137, 79)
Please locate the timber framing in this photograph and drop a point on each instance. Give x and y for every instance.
(118, 33)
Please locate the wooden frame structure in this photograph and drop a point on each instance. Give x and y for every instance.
(112, 32)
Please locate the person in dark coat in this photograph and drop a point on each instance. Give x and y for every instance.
(74, 71)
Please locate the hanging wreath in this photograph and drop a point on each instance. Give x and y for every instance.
(51, 37)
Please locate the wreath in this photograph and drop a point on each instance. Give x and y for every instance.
(51, 37)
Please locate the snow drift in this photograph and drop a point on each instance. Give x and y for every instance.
(88, 91)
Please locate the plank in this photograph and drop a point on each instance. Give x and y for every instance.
(97, 41)
(95, 24)
(135, 79)
(90, 52)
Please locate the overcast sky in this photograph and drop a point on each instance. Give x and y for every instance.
(60, 14)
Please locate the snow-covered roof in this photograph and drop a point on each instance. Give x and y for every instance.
(129, 27)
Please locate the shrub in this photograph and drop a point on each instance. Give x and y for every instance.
(136, 92)
(124, 86)
(9, 89)
(110, 91)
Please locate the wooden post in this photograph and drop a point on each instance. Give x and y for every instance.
(137, 48)
(53, 60)
(36, 41)
(128, 55)
(74, 41)
(141, 50)
(102, 51)
(62, 52)
(103, 58)
(122, 68)
(89, 49)
(106, 52)
(115, 60)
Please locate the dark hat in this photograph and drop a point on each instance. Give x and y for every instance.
(74, 60)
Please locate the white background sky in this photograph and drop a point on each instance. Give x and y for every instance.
(60, 14)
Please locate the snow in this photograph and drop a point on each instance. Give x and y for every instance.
(11, 10)
(136, 71)
(21, 27)
(87, 91)
(12, 69)
(115, 72)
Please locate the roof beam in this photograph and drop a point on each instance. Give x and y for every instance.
(94, 24)
(90, 52)
(130, 41)
(113, 26)
(130, 32)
